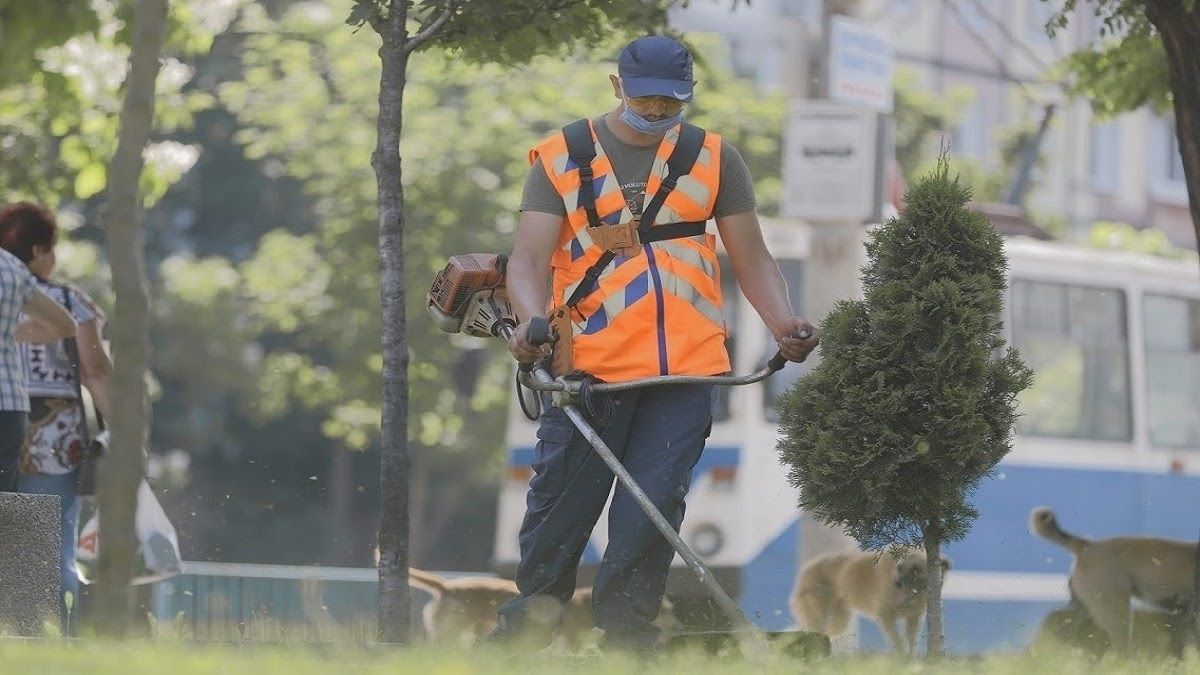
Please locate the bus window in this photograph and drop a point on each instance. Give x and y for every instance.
(1074, 340)
(1172, 327)
(793, 273)
(732, 298)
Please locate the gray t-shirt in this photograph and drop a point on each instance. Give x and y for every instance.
(632, 164)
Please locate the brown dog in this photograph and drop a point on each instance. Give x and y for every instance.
(1108, 573)
(885, 586)
(1155, 634)
(464, 605)
(579, 618)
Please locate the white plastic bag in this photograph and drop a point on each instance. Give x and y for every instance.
(158, 545)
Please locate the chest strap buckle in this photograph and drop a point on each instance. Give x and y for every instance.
(622, 239)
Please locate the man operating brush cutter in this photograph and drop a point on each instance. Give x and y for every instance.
(611, 248)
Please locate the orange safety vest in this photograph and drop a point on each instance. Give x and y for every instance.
(655, 309)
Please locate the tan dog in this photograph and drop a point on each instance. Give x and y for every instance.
(1108, 573)
(1155, 634)
(579, 619)
(464, 605)
(884, 586)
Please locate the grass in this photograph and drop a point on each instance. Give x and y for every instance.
(93, 657)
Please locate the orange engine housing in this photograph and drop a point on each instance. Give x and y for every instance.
(468, 295)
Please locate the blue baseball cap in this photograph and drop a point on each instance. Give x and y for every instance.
(656, 66)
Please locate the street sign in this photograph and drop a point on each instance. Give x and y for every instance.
(860, 64)
(831, 163)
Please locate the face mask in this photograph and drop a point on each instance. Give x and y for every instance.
(645, 126)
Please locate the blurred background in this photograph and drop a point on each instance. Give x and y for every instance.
(262, 233)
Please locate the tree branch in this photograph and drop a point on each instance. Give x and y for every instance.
(1011, 36)
(551, 7)
(983, 43)
(429, 32)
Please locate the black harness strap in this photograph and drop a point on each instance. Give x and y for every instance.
(582, 150)
(683, 157)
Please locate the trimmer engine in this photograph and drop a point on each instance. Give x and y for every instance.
(468, 296)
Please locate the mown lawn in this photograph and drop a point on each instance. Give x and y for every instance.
(182, 658)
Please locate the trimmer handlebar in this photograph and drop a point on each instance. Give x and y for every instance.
(539, 329)
(777, 362)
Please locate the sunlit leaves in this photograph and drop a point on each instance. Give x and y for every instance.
(1122, 75)
(29, 27)
(58, 122)
(287, 282)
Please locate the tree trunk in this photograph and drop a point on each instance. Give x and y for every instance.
(935, 645)
(1180, 31)
(394, 596)
(121, 471)
(1030, 152)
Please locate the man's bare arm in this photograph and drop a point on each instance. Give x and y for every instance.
(763, 284)
(528, 276)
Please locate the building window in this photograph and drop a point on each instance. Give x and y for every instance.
(1174, 160)
(970, 137)
(1165, 163)
(1103, 165)
(970, 14)
(902, 9)
(808, 10)
(1074, 340)
(1172, 336)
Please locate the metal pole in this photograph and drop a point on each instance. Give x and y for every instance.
(832, 269)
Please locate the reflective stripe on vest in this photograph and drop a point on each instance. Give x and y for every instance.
(659, 312)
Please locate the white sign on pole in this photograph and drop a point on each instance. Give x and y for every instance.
(860, 64)
(829, 162)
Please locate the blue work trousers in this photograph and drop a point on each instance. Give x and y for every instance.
(658, 434)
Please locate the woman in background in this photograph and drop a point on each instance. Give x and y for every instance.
(54, 442)
(26, 315)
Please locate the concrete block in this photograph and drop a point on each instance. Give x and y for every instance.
(29, 550)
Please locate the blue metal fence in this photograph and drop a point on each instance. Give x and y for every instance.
(243, 601)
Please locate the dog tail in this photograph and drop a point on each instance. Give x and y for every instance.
(427, 581)
(1044, 524)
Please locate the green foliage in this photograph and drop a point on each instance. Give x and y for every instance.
(922, 118)
(1125, 71)
(1122, 75)
(513, 32)
(307, 97)
(58, 119)
(1115, 16)
(925, 120)
(913, 401)
(992, 184)
(27, 27)
(293, 649)
(1124, 237)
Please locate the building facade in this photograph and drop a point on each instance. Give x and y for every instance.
(1124, 169)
